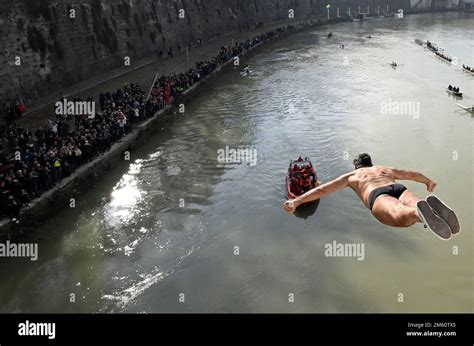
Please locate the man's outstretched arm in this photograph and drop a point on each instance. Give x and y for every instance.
(401, 174)
(318, 192)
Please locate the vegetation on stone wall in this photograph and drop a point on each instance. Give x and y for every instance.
(138, 24)
(20, 23)
(58, 49)
(84, 15)
(36, 39)
(153, 36)
(176, 10)
(255, 5)
(104, 33)
(38, 8)
(158, 27)
(53, 30)
(125, 10)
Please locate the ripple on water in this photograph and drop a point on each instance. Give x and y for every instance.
(304, 99)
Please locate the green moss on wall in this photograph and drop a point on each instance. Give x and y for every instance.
(36, 39)
(104, 33)
(38, 8)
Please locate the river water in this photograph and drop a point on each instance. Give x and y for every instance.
(173, 230)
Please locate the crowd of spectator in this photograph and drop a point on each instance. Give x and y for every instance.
(31, 163)
(166, 89)
(13, 113)
(34, 162)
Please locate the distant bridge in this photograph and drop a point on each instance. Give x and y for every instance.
(428, 4)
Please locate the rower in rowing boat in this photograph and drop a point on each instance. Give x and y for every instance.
(393, 64)
(467, 68)
(245, 70)
(453, 89)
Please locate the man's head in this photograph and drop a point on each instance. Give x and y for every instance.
(362, 160)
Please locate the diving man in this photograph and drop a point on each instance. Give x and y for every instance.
(391, 203)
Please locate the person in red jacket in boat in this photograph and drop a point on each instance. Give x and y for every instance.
(297, 182)
(306, 181)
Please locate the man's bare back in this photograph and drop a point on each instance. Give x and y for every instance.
(365, 180)
(390, 202)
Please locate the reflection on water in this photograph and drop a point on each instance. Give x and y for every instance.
(124, 198)
(174, 221)
(307, 210)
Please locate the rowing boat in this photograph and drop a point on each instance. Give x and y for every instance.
(246, 73)
(294, 178)
(432, 47)
(469, 109)
(469, 71)
(419, 42)
(454, 93)
(444, 59)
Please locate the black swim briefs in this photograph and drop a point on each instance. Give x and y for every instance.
(394, 190)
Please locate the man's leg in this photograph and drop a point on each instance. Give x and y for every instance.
(392, 212)
(409, 199)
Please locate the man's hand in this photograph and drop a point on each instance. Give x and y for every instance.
(430, 185)
(290, 206)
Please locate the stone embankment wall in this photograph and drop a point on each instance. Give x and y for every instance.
(50, 45)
